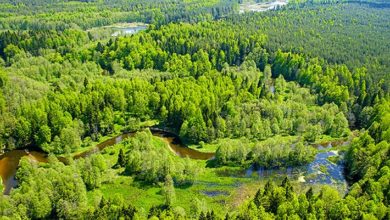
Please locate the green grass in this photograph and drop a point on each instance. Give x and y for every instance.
(206, 148)
(141, 196)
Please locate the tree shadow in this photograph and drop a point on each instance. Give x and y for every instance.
(184, 185)
(141, 184)
(212, 163)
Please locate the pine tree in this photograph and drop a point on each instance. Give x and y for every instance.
(309, 194)
(121, 158)
(258, 196)
(288, 187)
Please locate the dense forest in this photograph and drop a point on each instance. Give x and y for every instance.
(62, 15)
(259, 91)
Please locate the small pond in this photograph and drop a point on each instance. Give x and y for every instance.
(262, 6)
(128, 30)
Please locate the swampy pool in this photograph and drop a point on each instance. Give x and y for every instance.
(128, 30)
(262, 6)
(327, 168)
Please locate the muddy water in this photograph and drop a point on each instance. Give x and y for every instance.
(311, 174)
(9, 161)
(104, 144)
(180, 149)
(173, 141)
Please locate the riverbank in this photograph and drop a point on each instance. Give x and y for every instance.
(119, 130)
(9, 161)
(220, 188)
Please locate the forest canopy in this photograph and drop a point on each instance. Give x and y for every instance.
(257, 91)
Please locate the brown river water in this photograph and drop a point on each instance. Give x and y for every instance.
(9, 161)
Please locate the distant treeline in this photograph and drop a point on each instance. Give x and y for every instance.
(61, 15)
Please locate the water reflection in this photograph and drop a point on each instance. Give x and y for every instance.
(128, 30)
(321, 171)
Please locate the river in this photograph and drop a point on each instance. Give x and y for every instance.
(9, 161)
(320, 171)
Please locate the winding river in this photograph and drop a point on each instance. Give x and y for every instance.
(9, 161)
(321, 170)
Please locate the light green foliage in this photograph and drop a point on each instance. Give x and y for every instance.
(150, 160)
(87, 14)
(169, 191)
(232, 152)
(258, 87)
(42, 191)
(92, 170)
